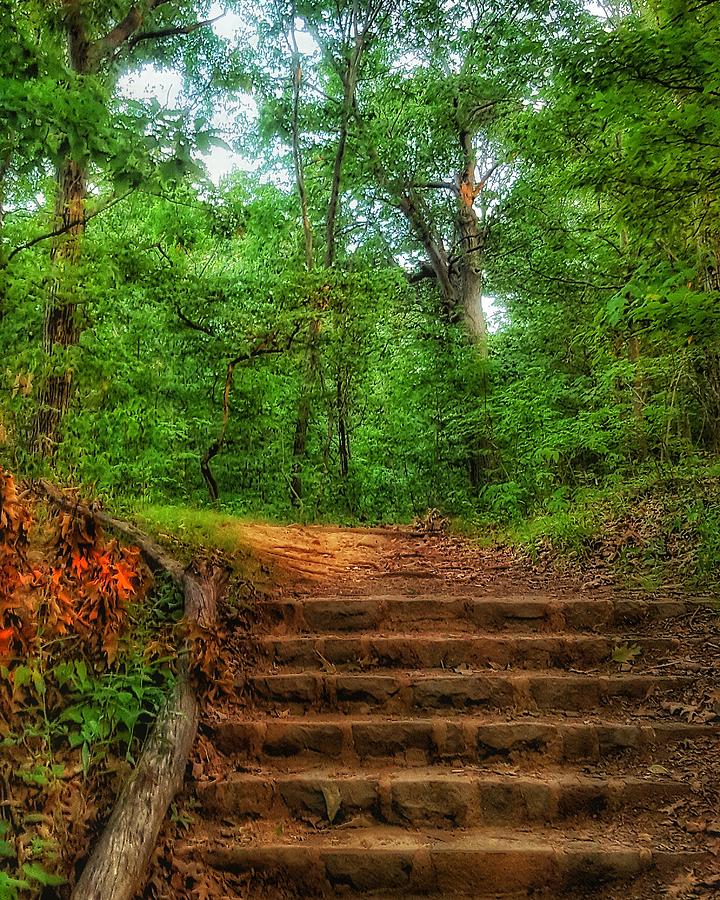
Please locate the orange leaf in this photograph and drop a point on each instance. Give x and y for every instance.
(6, 636)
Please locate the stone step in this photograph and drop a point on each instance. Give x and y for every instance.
(479, 863)
(523, 612)
(431, 797)
(430, 650)
(422, 741)
(399, 691)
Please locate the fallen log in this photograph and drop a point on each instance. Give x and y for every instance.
(120, 858)
(156, 555)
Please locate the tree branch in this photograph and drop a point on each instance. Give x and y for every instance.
(196, 326)
(268, 344)
(441, 186)
(68, 226)
(170, 32)
(100, 49)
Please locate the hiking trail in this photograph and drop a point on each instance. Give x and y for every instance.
(415, 716)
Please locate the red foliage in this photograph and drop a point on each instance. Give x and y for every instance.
(83, 592)
(17, 626)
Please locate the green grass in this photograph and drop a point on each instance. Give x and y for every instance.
(195, 528)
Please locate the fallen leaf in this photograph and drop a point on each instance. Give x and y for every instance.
(331, 793)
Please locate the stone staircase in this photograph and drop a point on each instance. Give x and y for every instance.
(463, 747)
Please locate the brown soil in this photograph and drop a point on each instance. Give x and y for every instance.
(415, 716)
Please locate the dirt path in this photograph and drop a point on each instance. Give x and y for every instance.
(417, 717)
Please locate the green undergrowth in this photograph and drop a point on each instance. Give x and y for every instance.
(72, 728)
(652, 531)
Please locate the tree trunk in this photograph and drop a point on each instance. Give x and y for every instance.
(360, 29)
(349, 87)
(707, 367)
(61, 327)
(639, 393)
(470, 284)
(265, 345)
(4, 169)
(411, 206)
(297, 152)
(302, 423)
(343, 434)
(472, 247)
(118, 862)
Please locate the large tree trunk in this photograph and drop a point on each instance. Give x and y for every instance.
(472, 308)
(412, 207)
(61, 327)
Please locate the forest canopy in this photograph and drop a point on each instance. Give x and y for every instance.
(310, 335)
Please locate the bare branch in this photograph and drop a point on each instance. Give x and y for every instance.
(104, 47)
(491, 171)
(440, 185)
(196, 326)
(68, 226)
(171, 32)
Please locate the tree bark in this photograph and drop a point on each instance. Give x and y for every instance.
(61, 328)
(302, 423)
(296, 150)
(118, 861)
(472, 247)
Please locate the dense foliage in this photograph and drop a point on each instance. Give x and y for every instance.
(307, 338)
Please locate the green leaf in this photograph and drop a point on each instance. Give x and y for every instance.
(37, 873)
(626, 654)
